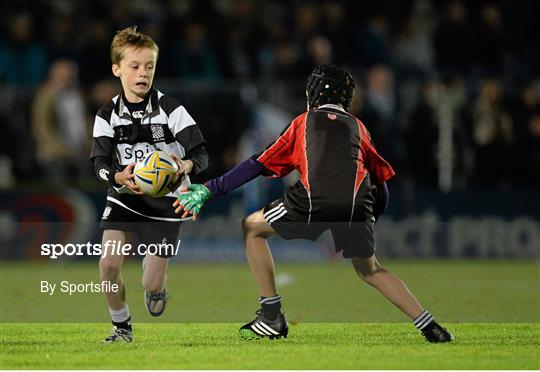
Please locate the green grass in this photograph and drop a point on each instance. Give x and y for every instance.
(337, 322)
(310, 346)
(456, 291)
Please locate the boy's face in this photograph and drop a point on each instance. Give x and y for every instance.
(136, 72)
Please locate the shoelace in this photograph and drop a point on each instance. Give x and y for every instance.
(164, 296)
(261, 317)
(118, 332)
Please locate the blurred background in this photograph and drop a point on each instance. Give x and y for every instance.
(448, 89)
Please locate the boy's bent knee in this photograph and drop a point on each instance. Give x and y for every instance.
(253, 223)
(152, 285)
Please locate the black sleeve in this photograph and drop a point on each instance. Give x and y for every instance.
(104, 170)
(190, 137)
(102, 146)
(101, 157)
(199, 156)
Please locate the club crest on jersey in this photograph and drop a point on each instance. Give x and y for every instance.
(157, 132)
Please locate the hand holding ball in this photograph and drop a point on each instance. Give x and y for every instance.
(157, 174)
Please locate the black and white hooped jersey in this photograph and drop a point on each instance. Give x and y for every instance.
(125, 137)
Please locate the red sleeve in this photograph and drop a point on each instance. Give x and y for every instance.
(379, 169)
(280, 157)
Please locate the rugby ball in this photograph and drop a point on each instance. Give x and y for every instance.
(155, 174)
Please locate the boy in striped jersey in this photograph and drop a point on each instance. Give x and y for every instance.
(342, 188)
(139, 120)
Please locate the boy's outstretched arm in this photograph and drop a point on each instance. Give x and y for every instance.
(198, 195)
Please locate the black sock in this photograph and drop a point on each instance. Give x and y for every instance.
(271, 306)
(124, 325)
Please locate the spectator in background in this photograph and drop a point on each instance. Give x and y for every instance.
(22, 61)
(491, 43)
(361, 108)
(531, 150)
(287, 63)
(453, 44)
(522, 108)
(373, 42)
(62, 42)
(336, 28)
(319, 51)
(239, 54)
(306, 29)
(266, 56)
(526, 114)
(195, 59)
(58, 124)
(101, 93)
(413, 49)
(422, 137)
(95, 50)
(380, 93)
(492, 136)
(381, 97)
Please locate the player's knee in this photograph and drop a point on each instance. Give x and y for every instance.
(109, 269)
(252, 223)
(368, 270)
(152, 285)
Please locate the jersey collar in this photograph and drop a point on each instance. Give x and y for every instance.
(152, 106)
(332, 106)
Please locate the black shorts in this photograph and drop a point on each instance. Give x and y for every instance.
(355, 239)
(148, 230)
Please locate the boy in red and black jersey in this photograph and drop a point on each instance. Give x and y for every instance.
(342, 188)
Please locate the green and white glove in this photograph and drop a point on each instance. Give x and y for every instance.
(195, 198)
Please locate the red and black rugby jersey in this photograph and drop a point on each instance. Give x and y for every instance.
(337, 163)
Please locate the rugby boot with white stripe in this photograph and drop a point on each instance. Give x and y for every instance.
(261, 327)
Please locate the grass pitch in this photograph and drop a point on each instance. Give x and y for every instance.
(310, 346)
(336, 322)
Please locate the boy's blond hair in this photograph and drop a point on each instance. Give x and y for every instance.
(130, 37)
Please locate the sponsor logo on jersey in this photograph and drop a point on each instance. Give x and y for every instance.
(137, 114)
(106, 213)
(136, 153)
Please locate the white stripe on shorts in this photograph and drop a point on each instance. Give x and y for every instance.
(269, 216)
(273, 209)
(277, 217)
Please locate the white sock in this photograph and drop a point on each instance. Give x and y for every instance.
(120, 316)
(269, 300)
(422, 320)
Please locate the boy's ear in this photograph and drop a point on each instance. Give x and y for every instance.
(116, 70)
